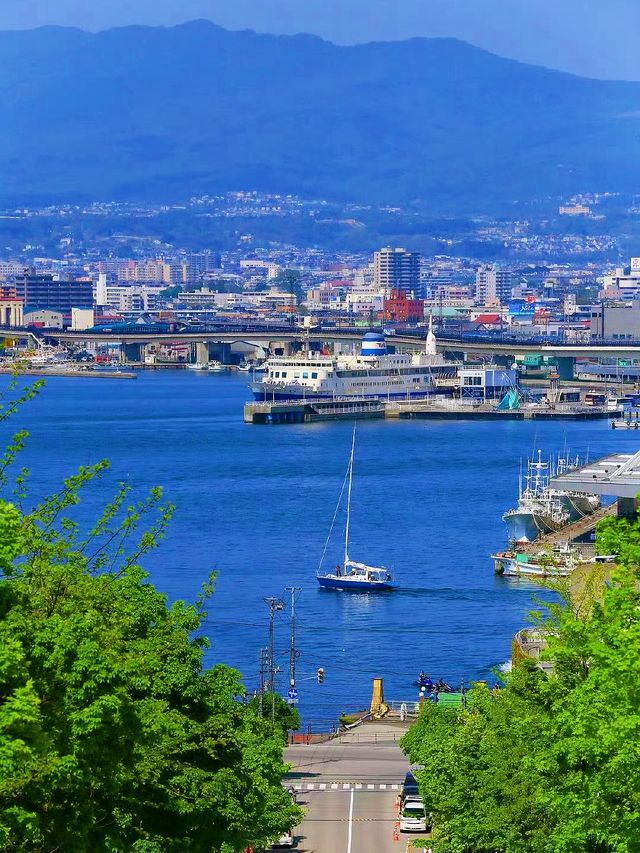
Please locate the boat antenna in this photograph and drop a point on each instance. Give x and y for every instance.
(346, 530)
(335, 515)
(520, 480)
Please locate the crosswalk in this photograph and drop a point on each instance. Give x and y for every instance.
(344, 786)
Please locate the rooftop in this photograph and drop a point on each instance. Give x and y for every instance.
(617, 475)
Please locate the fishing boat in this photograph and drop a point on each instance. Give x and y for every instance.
(540, 508)
(557, 562)
(351, 575)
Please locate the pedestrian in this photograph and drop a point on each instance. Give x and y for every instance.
(338, 570)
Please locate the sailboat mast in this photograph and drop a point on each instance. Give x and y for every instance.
(346, 530)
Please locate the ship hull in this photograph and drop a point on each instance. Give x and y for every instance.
(578, 506)
(528, 526)
(351, 585)
(510, 567)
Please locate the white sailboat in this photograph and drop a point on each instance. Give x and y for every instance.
(352, 576)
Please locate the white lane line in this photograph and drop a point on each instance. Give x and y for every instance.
(358, 786)
(297, 787)
(346, 786)
(323, 786)
(334, 786)
(350, 835)
(395, 787)
(311, 786)
(383, 787)
(370, 787)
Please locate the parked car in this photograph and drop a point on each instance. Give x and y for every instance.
(286, 840)
(413, 816)
(410, 787)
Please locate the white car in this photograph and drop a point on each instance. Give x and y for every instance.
(285, 840)
(413, 817)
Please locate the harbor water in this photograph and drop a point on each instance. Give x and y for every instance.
(255, 504)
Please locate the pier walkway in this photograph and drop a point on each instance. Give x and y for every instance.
(355, 408)
(572, 531)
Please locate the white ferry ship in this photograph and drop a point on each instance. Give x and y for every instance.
(371, 373)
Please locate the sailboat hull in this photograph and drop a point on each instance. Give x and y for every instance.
(353, 584)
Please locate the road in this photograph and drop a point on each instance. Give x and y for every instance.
(349, 788)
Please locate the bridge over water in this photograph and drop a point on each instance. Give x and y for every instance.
(219, 338)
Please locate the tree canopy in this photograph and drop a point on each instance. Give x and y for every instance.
(113, 735)
(551, 762)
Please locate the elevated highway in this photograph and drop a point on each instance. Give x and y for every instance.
(132, 340)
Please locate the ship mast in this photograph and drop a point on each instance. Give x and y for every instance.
(346, 531)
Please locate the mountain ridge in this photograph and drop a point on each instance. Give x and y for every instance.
(162, 113)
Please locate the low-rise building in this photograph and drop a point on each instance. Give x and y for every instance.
(44, 318)
(400, 308)
(128, 297)
(11, 311)
(616, 322)
(82, 318)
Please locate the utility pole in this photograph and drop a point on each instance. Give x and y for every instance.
(264, 653)
(274, 604)
(293, 653)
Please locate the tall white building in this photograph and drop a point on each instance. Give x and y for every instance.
(493, 285)
(397, 269)
(621, 284)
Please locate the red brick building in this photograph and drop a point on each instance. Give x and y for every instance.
(399, 308)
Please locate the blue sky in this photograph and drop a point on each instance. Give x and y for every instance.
(596, 38)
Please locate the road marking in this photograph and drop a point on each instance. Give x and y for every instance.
(350, 835)
(345, 786)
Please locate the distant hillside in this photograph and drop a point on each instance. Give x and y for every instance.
(156, 113)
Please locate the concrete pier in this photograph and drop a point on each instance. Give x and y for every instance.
(301, 411)
(353, 408)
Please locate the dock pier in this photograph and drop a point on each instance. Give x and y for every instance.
(355, 408)
(304, 411)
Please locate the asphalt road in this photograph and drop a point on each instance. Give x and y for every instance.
(349, 788)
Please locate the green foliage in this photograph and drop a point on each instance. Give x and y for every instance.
(550, 763)
(113, 736)
(290, 281)
(171, 292)
(277, 710)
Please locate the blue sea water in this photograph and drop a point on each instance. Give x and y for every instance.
(255, 504)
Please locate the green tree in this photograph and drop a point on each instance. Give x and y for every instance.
(113, 735)
(171, 292)
(551, 762)
(290, 281)
(285, 717)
